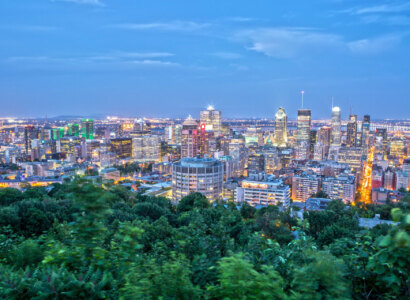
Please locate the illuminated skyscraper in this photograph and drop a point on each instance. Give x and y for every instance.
(212, 119)
(351, 131)
(207, 142)
(122, 147)
(190, 138)
(87, 129)
(281, 128)
(58, 133)
(303, 133)
(30, 133)
(397, 148)
(365, 132)
(336, 133)
(73, 130)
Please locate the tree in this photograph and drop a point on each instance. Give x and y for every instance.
(321, 194)
(322, 278)
(9, 196)
(239, 280)
(194, 200)
(391, 262)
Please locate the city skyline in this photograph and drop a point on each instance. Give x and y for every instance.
(161, 59)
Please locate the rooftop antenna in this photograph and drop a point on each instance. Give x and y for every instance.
(332, 101)
(303, 93)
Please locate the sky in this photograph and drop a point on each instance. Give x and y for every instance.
(163, 58)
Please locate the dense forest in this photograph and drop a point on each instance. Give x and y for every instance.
(81, 241)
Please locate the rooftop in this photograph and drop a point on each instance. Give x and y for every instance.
(196, 162)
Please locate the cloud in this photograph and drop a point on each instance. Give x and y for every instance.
(89, 2)
(394, 13)
(121, 59)
(145, 54)
(227, 55)
(148, 62)
(374, 45)
(284, 42)
(167, 26)
(240, 19)
(385, 8)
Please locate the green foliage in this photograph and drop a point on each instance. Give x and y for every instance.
(238, 279)
(9, 196)
(194, 200)
(322, 278)
(79, 240)
(321, 194)
(391, 262)
(150, 280)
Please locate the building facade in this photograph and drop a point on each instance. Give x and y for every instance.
(202, 175)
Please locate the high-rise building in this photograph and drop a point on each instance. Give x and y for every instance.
(30, 133)
(381, 139)
(365, 132)
(146, 147)
(87, 129)
(207, 145)
(397, 148)
(212, 119)
(281, 128)
(319, 151)
(389, 179)
(351, 156)
(336, 132)
(341, 187)
(70, 145)
(351, 131)
(272, 162)
(303, 134)
(324, 136)
(238, 151)
(122, 147)
(304, 186)
(73, 130)
(190, 138)
(203, 175)
(313, 140)
(256, 163)
(58, 133)
(92, 149)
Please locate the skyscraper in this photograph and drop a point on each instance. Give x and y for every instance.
(336, 133)
(122, 147)
(281, 128)
(189, 138)
(365, 132)
(212, 119)
(30, 133)
(351, 131)
(73, 130)
(303, 133)
(87, 129)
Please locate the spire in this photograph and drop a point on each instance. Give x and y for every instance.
(303, 93)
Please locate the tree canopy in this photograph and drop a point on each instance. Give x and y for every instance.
(80, 240)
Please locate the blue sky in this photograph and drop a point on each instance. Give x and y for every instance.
(162, 58)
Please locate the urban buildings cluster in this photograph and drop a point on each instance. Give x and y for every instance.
(261, 162)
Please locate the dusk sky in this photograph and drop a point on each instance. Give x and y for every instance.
(162, 58)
